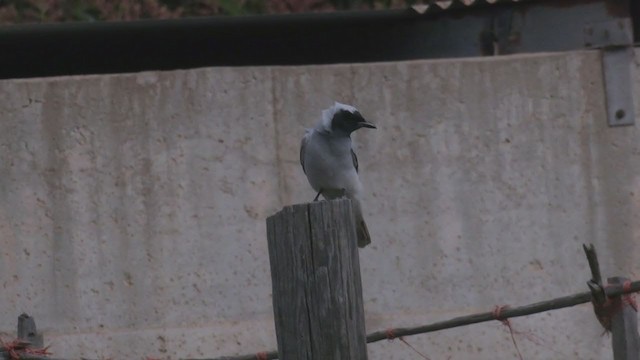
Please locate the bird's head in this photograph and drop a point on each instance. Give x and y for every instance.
(342, 118)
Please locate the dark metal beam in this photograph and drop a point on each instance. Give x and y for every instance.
(319, 38)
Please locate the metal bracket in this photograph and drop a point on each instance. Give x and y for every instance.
(615, 39)
(616, 68)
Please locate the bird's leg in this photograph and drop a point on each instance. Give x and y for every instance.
(317, 196)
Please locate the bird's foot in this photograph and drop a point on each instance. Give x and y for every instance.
(318, 195)
(343, 193)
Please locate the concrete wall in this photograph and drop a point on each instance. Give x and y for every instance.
(132, 220)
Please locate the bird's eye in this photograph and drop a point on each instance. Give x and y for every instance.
(357, 117)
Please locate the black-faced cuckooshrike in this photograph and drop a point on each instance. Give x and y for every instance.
(331, 165)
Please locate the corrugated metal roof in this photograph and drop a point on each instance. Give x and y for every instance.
(435, 6)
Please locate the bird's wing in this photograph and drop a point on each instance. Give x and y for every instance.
(355, 159)
(303, 145)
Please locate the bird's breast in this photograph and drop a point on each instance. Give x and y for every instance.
(329, 165)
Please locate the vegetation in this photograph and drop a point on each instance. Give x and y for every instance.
(39, 11)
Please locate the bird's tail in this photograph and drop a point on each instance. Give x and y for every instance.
(362, 232)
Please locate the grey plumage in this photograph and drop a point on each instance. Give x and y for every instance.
(331, 165)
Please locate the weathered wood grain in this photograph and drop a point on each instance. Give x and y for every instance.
(315, 272)
(624, 326)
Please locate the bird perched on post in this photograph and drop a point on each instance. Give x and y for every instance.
(331, 165)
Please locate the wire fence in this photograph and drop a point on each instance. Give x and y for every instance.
(500, 313)
(609, 300)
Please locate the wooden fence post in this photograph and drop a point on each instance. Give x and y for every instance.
(315, 274)
(27, 331)
(624, 326)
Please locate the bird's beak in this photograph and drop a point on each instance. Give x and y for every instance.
(366, 124)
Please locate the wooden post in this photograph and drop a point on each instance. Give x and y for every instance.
(315, 274)
(624, 326)
(27, 331)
